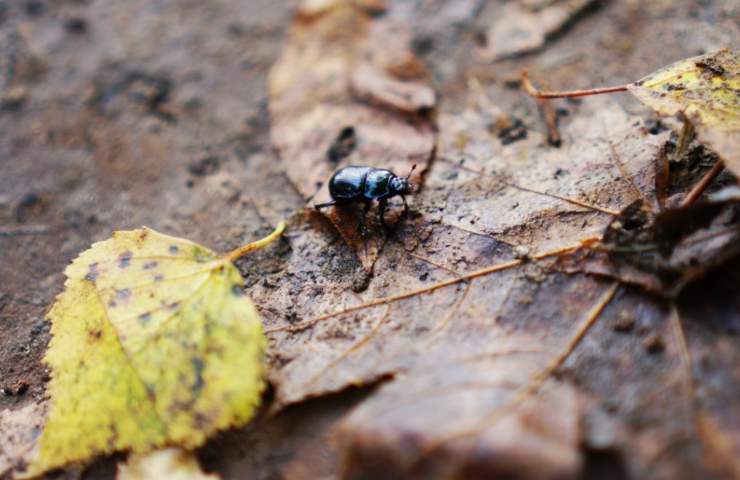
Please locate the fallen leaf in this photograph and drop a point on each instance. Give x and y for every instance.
(339, 97)
(464, 348)
(675, 224)
(704, 90)
(171, 463)
(522, 27)
(662, 252)
(153, 342)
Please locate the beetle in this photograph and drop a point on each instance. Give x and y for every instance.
(356, 183)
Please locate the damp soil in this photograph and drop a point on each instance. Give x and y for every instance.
(121, 114)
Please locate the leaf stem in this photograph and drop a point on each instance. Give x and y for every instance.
(395, 298)
(527, 189)
(574, 201)
(684, 139)
(235, 254)
(531, 90)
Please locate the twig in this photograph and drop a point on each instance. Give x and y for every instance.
(531, 90)
(699, 188)
(550, 116)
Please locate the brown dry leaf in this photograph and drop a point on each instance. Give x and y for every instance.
(522, 27)
(465, 352)
(662, 252)
(468, 332)
(705, 90)
(338, 96)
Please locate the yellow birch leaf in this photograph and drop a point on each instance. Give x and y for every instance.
(706, 90)
(169, 463)
(153, 343)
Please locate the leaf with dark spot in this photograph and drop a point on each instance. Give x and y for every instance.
(703, 90)
(170, 350)
(124, 260)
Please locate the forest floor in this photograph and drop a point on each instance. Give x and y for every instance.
(213, 121)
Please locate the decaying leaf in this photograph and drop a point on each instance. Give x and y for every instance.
(171, 463)
(338, 96)
(704, 89)
(153, 343)
(663, 251)
(522, 27)
(473, 342)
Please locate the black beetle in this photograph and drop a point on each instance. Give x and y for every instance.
(364, 184)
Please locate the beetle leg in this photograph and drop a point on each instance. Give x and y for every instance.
(363, 216)
(319, 206)
(381, 212)
(405, 205)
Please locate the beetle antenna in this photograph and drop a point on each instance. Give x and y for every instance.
(413, 167)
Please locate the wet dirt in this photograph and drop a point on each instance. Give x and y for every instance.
(121, 114)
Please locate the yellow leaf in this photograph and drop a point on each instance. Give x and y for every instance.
(169, 463)
(706, 90)
(153, 343)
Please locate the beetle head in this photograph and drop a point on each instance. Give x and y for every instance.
(403, 185)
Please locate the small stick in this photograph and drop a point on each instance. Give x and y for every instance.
(531, 90)
(699, 188)
(550, 116)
